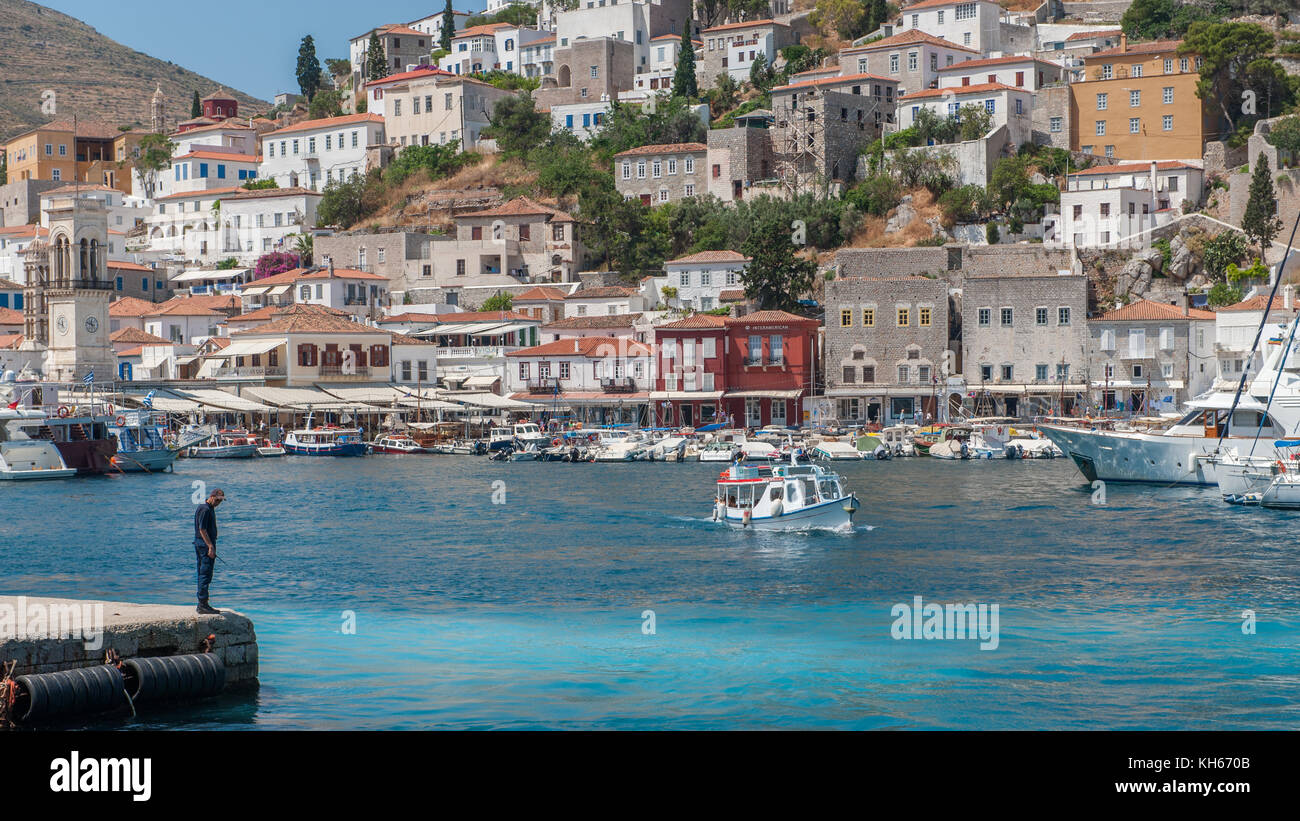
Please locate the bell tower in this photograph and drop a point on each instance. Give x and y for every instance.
(157, 116)
(77, 291)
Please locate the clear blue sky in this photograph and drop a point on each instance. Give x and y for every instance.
(251, 45)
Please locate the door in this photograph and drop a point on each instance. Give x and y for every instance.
(688, 415)
(753, 413)
(645, 199)
(738, 189)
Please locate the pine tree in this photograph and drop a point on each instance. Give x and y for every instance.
(775, 276)
(376, 61)
(308, 71)
(684, 82)
(876, 14)
(196, 107)
(1260, 221)
(448, 27)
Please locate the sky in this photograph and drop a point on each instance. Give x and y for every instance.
(250, 45)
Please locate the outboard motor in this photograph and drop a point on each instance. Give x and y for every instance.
(965, 450)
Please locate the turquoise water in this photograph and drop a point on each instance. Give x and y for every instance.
(529, 614)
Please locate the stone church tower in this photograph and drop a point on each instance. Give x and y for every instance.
(65, 308)
(157, 116)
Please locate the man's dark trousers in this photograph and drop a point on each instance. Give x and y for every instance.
(204, 571)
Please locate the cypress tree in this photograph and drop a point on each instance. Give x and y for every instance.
(196, 107)
(1260, 221)
(376, 62)
(308, 71)
(448, 27)
(684, 82)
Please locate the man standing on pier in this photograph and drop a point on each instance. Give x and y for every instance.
(205, 545)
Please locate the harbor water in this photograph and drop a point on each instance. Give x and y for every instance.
(425, 592)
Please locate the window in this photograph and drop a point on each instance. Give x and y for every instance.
(1008, 316)
(850, 373)
(1020, 106)
(1102, 101)
(1040, 316)
(868, 317)
(893, 64)
(415, 109)
(1169, 66)
(985, 317)
(965, 11)
(1008, 373)
(1138, 373)
(1040, 373)
(941, 18)
(1134, 125)
(1167, 122)
(1062, 371)
(640, 169)
(460, 267)
(911, 61)
(1055, 125)
(755, 350)
(690, 189)
(627, 170)
(397, 108)
(1167, 95)
(1107, 71)
(672, 165)
(656, 169)
(903, 375)
(986, 373)
(595, 72)
(1182, 63)
(689, 166)
(965, 38)
(775, 350)
(523, 370)
(1137, 70)
(846, 318)
(1101, 128)
(990, 106)
(904, 317)
(925, 317)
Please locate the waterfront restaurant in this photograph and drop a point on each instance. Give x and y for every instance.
(601, 380)
(770, 365)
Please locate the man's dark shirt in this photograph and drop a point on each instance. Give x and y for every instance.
(205, 519)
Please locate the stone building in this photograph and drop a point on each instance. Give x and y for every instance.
(1024, 342)
(741, 156)
(1148, 357)
(912, 57)
(734, 48)
(821, 125)
(657, 174)
(20, 201)
(588, 71)
(404, 257)
(886, 346)
(953, 261)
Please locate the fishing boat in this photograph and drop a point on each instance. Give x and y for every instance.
(962, 442)
(142, 445)
(23, 457)
(396, 443)
(835, 450)
(528, 433)
(327, 441)
(783, 497)
(269, 449)
(227, 444)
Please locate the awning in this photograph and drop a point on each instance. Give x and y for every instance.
(508, 328)
(686, 396)
(166, 402)
(254, 290)
(249, 347)
(1141, 384)
(471, 328)
(488, 400)
(1056, 388)
(303, 399)
(794, 394)
(210, 273)
(1007, 389)
(481, 381)
(213, 399)
(276, 290)
(185, 360)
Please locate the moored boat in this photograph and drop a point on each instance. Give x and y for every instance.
(227, 444)
(326, 441)
(23, 457)
(396, 443)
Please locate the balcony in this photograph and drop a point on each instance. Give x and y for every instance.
(544, 384)
(355, 373)
(268, 372)
(623, 384)
(472, 352)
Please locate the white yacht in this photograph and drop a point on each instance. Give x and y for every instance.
(23, 457)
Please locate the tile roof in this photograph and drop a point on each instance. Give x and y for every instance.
(1145, 309)
(131, 306)
(695, 321)
(231, 125)
(304, 319)
(482, 31)
(342, 273)
(18, 232)
(997, 61)
(540, 293)
(411, 316)
(76, 189)
(413, 74)
(136, 336)
(9, 285)
(480, 316)
(182, 307)
(709, 256)
(843, 79)
(10, 342)
(664, 148)
(588, 346)
(520, 207)
(214, 302)
(1133, 168)
(962, 91)
(211, 193)
(1153, 47)
(269, 312)
(604, 292)
(768, 316)
(10, 316)
(329, 122)
(403, 30)
(906, 38)
(1257, 302)
(606, 321)
(1089, 35)
(736, 295)
(747, 24)
(86, 129)
(114, 265)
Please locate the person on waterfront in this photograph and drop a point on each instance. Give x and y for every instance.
(205, 546)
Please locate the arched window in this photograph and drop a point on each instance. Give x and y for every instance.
(94, 260)
(85, 259)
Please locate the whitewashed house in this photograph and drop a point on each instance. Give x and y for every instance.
(314, 153)
(701, 278)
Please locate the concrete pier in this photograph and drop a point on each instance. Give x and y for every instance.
(46, 635)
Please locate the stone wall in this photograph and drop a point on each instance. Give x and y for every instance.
(134, 630)
(1049, 102)
(1024, 344)
(20, 201)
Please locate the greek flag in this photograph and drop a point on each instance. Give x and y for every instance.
(148, 399)
(88, 379)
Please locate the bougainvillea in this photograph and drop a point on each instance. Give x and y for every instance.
(276, 262)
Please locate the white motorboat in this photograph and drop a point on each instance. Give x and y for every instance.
(963, 442)
(23, 457)
(1189, 451)
(1282, 492)
(719, 452)
(270, 450)
(227, 444)
(783, 497)
(529, 433)
(396, 443)
(620, 446)
(671, 449)
(756, 450)
(325, 441)
(835, 450)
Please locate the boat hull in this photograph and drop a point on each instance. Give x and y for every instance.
(344, 449)
(88, 457)
(823, 516)
(1121, 456)
(144, 461)
(224, 452)
(1283, 492)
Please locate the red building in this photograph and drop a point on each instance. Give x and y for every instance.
(217, 107)
(770, 365)
(752, 369)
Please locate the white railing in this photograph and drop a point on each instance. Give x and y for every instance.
(473, 352)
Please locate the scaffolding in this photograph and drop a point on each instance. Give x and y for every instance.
(802, 151)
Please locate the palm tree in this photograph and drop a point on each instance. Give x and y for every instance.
(302, 246)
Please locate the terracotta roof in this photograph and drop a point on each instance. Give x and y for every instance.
(1145, 309)
(86, 129)
(213, 302)
(23, 232)
(481, 31)
(269, 312)
(1089, 35)
(404, 30)
(270, 193)
(182, 307)
(588, 346)
(128, 266)
(342, 273)
(403, 339)
(1153, 47)
(664, 148)
(520, 207)
(545, 41)
(412, 316)
(219, 95)
(843, 79)
(540, 293)
(10, 341)
(695, 321)
(607, 321)
(9, 285)
(211, 193)
(11, 316)
(288, 277)
(749, 24)
(997, 61)
(131, 306)
(737, 295)
(329, 122)
(136, 351)
(768, 316)
(220, 155)
(908, 37)
(1133, 168)
(605, 292)
(1257, 302)
(302, 319)
(230, 125)
(136, 336)
(413, 74)
(480, 316)
(709, 256)
(962, 91)
(76, 189)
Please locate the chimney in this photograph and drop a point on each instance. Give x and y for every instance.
(1123, 41)
(331, 263)
(1286, 297)
(575, 344)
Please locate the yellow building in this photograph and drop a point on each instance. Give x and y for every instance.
(52, 152)
(1138, 102)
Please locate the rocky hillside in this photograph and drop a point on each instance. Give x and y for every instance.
(91, 75)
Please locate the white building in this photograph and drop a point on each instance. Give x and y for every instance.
(607, 300)
(662, 67)
(1020, 71)
(1008, 106)
(635, 21)
(537, 58)
(202, 170)
(912, 57)
(359, 294)
(701, 278)
(1110, 204)
(210, 226)
(438, 108)
(314, 153)
(432, 24)
(490, 47)
(583, 119)
(183, 322)
(1234, 333)
(124, 210)
(971, 23)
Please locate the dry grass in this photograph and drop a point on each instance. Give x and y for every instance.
(871, 234)
(407, 204)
